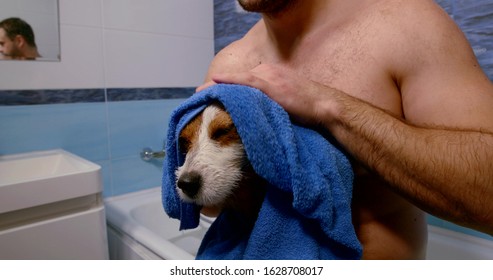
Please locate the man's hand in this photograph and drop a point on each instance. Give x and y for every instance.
(305, 100)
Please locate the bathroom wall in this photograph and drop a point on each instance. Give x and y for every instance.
(124, 66)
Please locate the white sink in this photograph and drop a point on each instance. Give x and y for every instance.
(51, 207)
(37, 178)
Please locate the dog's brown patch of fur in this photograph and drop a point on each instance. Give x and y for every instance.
(189, 136)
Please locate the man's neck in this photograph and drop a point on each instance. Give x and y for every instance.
(303, 17)
(31, 53)
(294, 21)
(288, 28)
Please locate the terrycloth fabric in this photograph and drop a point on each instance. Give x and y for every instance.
(306, 213)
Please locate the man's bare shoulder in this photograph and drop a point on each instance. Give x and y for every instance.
(228, 58)
(240, 55)
(413, 22)
(436, 69)
(423, 25)
(417, 34)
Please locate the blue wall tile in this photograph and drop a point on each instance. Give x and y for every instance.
(134, 125)
(79, 128)
(111, 134)
(106, 174)
(133, 174)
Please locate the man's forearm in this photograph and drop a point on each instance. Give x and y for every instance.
(448, 173)
(445, 172)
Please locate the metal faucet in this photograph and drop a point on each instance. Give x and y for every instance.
(148, 154)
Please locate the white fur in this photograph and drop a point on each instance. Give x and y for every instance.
(220, 166)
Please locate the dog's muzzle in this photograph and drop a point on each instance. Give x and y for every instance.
(190, 183)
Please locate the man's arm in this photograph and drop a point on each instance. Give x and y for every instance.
(447, 172)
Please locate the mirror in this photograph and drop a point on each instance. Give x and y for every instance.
(23, 18)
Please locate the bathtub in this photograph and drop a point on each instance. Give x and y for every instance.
(138, 228)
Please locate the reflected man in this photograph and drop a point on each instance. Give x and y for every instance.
(17, 40)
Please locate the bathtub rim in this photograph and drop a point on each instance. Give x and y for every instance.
(458, 240)
(131, 228)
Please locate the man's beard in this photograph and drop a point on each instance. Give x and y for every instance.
(265, 6)
(14, 53)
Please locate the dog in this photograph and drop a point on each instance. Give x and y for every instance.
(217, 174)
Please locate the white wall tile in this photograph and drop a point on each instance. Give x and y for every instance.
(85, 13)
(145, 43)
(192, 18)
(81, 65)
(150, 60)
(8, 8)
(8, 5)
(38, 6)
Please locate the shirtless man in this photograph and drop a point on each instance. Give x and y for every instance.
(396, 83)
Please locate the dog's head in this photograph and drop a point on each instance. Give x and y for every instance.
(215, 159)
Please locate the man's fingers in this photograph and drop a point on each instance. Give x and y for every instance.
(243, 78)
(204, 86)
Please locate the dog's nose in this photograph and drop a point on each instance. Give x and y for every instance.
(190, 183)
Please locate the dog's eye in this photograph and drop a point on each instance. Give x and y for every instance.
(225, 135)
(222, 132)
(183, 144)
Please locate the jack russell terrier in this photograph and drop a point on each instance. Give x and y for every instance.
(216, 174)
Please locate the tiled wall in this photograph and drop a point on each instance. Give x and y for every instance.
(124, 66)
(123, 43)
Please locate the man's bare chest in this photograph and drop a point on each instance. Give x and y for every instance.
(349, 68)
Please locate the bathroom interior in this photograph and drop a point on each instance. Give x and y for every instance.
(92, 116)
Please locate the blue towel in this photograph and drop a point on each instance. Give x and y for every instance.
(306, 213)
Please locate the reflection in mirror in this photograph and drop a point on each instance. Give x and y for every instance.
(29, 30)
